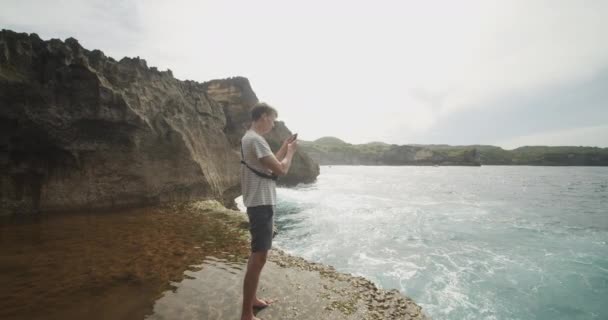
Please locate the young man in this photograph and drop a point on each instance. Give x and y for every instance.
(259, 170)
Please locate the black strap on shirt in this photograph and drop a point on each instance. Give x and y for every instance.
(260, 174)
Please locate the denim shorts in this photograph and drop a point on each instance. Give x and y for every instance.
(261, 226)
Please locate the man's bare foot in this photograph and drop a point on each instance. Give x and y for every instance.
(262, 303)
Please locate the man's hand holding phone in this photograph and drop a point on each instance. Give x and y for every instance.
(292, 143)
(293, 138)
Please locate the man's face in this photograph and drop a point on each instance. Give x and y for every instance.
(268, 121)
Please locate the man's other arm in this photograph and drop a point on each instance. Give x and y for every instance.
(279, 167)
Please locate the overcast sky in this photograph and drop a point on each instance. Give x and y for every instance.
(507, 73)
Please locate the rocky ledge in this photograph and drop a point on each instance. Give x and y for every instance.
(173, 261)
(302, 289)
(341, 296)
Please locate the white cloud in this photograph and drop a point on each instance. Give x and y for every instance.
(359, 70)
(533, 45)
(96, 24)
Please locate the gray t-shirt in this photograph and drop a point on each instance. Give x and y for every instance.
(256, 190)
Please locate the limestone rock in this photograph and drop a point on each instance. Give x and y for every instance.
(79, 130)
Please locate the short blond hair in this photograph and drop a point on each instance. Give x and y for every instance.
(262, 108)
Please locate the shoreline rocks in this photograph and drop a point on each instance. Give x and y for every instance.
(354, 297)
(176, 260)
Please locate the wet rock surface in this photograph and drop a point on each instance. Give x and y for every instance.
(176, 261)
(344, 296)
(301, 290)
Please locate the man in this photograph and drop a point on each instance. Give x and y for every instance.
(259, 170)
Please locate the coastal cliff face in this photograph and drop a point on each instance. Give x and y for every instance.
(545, 156)
(79, 130)
(333, 151)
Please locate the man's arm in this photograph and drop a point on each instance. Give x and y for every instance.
(280, 155)
(279, 167)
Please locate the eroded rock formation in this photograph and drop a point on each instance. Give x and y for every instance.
(79, 130)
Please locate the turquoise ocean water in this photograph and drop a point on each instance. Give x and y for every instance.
(491, 242)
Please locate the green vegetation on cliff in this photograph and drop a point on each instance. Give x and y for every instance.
(329, 150)
(333, 151)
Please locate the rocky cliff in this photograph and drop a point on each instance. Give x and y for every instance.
(79, 130)
(545, 156)
(333, 151)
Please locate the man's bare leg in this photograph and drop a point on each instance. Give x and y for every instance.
(250, 285)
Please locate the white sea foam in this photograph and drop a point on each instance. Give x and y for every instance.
(465, 243)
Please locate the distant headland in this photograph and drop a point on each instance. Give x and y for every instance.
(334, 151)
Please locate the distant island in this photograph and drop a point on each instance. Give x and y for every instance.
(333, 151)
